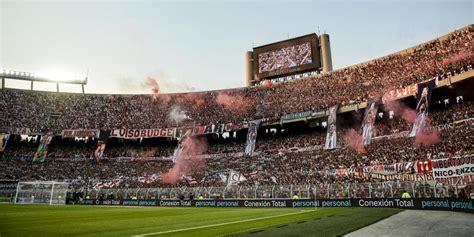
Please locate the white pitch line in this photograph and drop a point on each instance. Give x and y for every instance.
(220, 224)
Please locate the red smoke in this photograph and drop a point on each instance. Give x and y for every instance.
(401, 110)
(355, 140)
(187, 162)
(191, 99)
(195, 98)
(267, 83)
(457, 58)
(200, 102)
(154, 83)
(173, 176)
(428, 136)
(165, 98)
(231, 102)
(110, 98)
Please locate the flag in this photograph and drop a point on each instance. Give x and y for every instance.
(177, 152)
(252, 137)
(331, 134)
(235, 178)
(99, 151)
(147, 179)
(422, 105)
(4, 139)
(98, 185)
(223, 177)
(42, 151)
(369, 120)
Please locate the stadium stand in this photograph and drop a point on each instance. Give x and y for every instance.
(286, 154)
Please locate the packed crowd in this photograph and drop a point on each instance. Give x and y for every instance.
(276, 163)
(305, 167)
(270, 140)
(442, 57)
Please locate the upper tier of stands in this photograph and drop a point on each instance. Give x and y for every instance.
(442, 57)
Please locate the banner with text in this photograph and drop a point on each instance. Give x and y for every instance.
(396, 94)
(142, 133)
(80, 133)
(287, 117)
(208, 129)
(448, 204)
(453, 167)
(33, 131)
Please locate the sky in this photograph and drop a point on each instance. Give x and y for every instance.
(200, 45)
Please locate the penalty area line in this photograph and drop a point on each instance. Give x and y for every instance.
(221, 224)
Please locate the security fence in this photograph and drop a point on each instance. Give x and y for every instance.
(321, 191)
(387, 189)
(7, 190)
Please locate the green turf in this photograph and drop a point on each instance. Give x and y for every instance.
(36, 220)
(324, 225)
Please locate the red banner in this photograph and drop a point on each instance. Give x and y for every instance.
(400, 93)
(424, 167)
(80, 133)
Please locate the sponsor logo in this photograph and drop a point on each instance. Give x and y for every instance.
(435, 204)
(147, 203)
(130, 203)
(264, 203)
(305, 204)
(228, 204)
(88, 202)
(336, 203)
(461, 205)
(170, 203)
(111, 202)
(439, 203)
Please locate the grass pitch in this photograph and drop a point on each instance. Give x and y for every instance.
(36, 220)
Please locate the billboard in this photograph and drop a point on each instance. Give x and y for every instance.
(447, 204)
(287, 57)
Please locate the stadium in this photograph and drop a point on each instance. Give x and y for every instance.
(380, 148)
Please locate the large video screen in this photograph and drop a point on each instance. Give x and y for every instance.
(284, 58)
(287, 57)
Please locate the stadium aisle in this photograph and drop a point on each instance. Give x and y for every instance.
(421, 223)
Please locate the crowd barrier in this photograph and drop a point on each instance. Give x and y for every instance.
(449, 204)
(386, 189)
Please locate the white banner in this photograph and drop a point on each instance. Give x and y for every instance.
(453, 167)
(142, 133)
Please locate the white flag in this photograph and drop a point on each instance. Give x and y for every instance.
(223, 177)
(235, 178)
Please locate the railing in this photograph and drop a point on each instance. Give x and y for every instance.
(7, 190)
(387, 189)
(418, 189)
